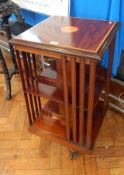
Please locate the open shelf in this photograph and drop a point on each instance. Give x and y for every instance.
(54, 109)
(49, 125)
(47, 91)
(46, 125)
(46, 85)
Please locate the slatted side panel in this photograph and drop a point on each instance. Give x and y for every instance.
(79, 100)
(32, 74)
(35, 75)
(27, 67)
(70, 98)
(18, 55)
(74, 93)
(29, 81)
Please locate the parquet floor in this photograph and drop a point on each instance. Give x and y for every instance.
(24, 154)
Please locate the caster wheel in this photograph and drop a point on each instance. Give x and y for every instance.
(73, 154)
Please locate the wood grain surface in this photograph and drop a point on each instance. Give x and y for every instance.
(89, 36)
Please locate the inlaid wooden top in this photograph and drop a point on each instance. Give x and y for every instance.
(76, 36)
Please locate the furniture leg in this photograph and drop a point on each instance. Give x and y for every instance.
(7, 78)
(14, 68)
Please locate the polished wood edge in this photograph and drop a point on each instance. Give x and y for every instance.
(48, 53)
(106, 42)
(37, 51)
(73, 52)
(106, 36)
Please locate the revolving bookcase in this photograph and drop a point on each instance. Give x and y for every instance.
(63, 100)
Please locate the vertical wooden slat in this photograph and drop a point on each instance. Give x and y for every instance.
(36, 106)
(59, 71)
(66, 98)
(60, 81)
(35, 73)
(28, 83)
(23, 84)
(34, 68)
(32, 106)
(30, 69)
(81, 101)
(39, 102)
(90, 103)
(26, 69)
(73, 94)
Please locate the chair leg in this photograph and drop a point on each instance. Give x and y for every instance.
(14, 68)
(7, 78)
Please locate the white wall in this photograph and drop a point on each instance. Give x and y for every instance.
(54, 7)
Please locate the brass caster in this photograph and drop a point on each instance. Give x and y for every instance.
(73, 154)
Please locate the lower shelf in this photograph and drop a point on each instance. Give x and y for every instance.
(52, 129)
(49, 125)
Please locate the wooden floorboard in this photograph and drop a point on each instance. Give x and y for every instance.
(24, 154)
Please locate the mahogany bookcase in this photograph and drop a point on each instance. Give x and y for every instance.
(63, 100)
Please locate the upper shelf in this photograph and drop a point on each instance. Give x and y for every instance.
(75, 36)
